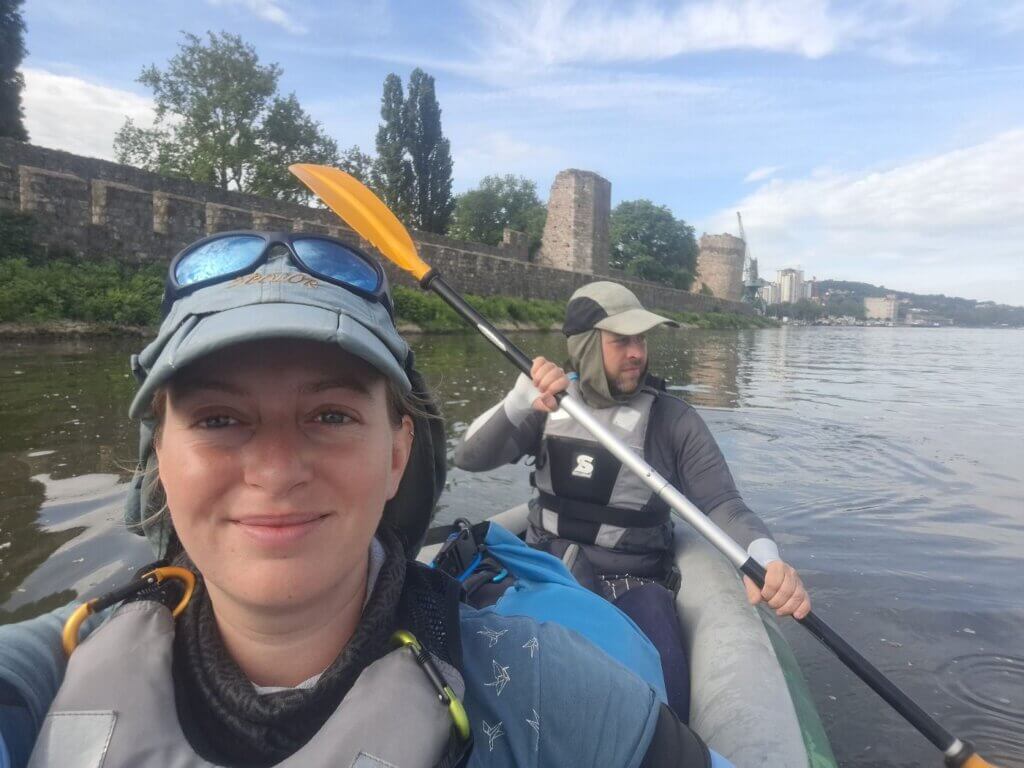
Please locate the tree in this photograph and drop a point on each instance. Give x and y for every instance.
(482, 214)
(392, 172)
(801, 310)
(356, 163)
(431, 156)
(413, 169)
(650, 243)
(12, 82)
(287, 136)
(845, 306)
(219, 120)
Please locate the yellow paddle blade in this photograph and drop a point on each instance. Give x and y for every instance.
(976, 761)
(364, 212)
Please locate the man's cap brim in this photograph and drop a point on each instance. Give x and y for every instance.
(633, 322)
(262, 322)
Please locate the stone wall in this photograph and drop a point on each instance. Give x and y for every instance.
(91, 207)
(720, 266)
(94, 208)
(576, 231)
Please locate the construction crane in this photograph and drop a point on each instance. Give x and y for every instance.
(751, 281)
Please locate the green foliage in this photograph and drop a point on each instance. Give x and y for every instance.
(413, 170)
(392, 171)
(95, 292)
(356, 163)
(845, 306)
(650, 243)
(720, 321)
(430, 312)
(858, 290)
(17, 235)
(482, 214)
(288, 135)
(801, 310)
(220, 121)
(12, 51)
(431, 156)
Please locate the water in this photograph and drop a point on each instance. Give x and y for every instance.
(888, 462)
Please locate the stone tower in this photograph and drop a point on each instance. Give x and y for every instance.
(576, 233)
(720, 266)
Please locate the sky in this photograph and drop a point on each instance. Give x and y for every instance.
(872, 140)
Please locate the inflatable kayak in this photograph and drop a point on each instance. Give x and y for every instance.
(748, 700)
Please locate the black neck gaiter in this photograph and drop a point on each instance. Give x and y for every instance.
(223, 717)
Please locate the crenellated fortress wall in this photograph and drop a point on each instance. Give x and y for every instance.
(95, 208)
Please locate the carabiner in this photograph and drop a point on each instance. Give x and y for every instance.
(156, 576)
(444, 691)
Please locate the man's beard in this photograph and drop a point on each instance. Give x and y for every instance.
(617, 392)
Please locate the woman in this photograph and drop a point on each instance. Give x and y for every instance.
(290, 459)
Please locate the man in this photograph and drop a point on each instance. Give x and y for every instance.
(612, 532)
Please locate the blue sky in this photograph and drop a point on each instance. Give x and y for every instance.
(874, 140)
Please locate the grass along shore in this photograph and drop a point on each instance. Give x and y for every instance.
(72, 298)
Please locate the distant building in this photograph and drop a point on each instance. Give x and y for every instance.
(884, 308)
(791, 285)
(811, 290)
(769, 293)
(720, 266)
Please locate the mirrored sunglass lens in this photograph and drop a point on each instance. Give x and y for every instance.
(217, 258)
(337, 262)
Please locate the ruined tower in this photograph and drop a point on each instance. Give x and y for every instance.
(576, 233)
(720, 266)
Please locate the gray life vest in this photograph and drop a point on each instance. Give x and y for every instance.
(116, 708)
(586, 495)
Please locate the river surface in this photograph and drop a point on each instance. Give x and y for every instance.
(889, 462)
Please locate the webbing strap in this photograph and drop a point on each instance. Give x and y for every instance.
(649, 516)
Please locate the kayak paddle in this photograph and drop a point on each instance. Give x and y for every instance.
(374, 221)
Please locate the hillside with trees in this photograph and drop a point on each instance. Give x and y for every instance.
(963, 312)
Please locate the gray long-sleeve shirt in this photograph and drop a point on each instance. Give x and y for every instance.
(678, 445)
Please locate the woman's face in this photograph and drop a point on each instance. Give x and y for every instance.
(277, 459)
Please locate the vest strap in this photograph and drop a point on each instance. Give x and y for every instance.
(649, 516)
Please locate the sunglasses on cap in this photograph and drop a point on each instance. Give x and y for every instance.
(228, 255)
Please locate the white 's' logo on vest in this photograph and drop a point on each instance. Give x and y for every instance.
(584, 466)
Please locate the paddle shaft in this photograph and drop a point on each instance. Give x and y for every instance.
(956, 751)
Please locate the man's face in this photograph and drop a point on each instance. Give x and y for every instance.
(625, 361)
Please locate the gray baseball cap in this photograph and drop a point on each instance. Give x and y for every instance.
(276, 301)
(611, 307)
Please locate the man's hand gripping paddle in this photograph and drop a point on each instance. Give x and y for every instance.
(372, 220)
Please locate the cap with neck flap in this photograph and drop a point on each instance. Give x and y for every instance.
(596, 307)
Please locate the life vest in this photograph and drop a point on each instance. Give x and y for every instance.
(116, 707)
(116, 704)
(585, 494)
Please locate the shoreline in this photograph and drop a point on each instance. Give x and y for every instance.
(76, 329)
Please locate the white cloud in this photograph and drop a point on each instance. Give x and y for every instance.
(267, 10)
(1009, 17)
(551, 32)
(77, 115)
(491, 152)
(760, 174)
(527, 36)
(609, 93)
(951, 223)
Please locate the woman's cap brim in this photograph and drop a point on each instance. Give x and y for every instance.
(262, 322)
